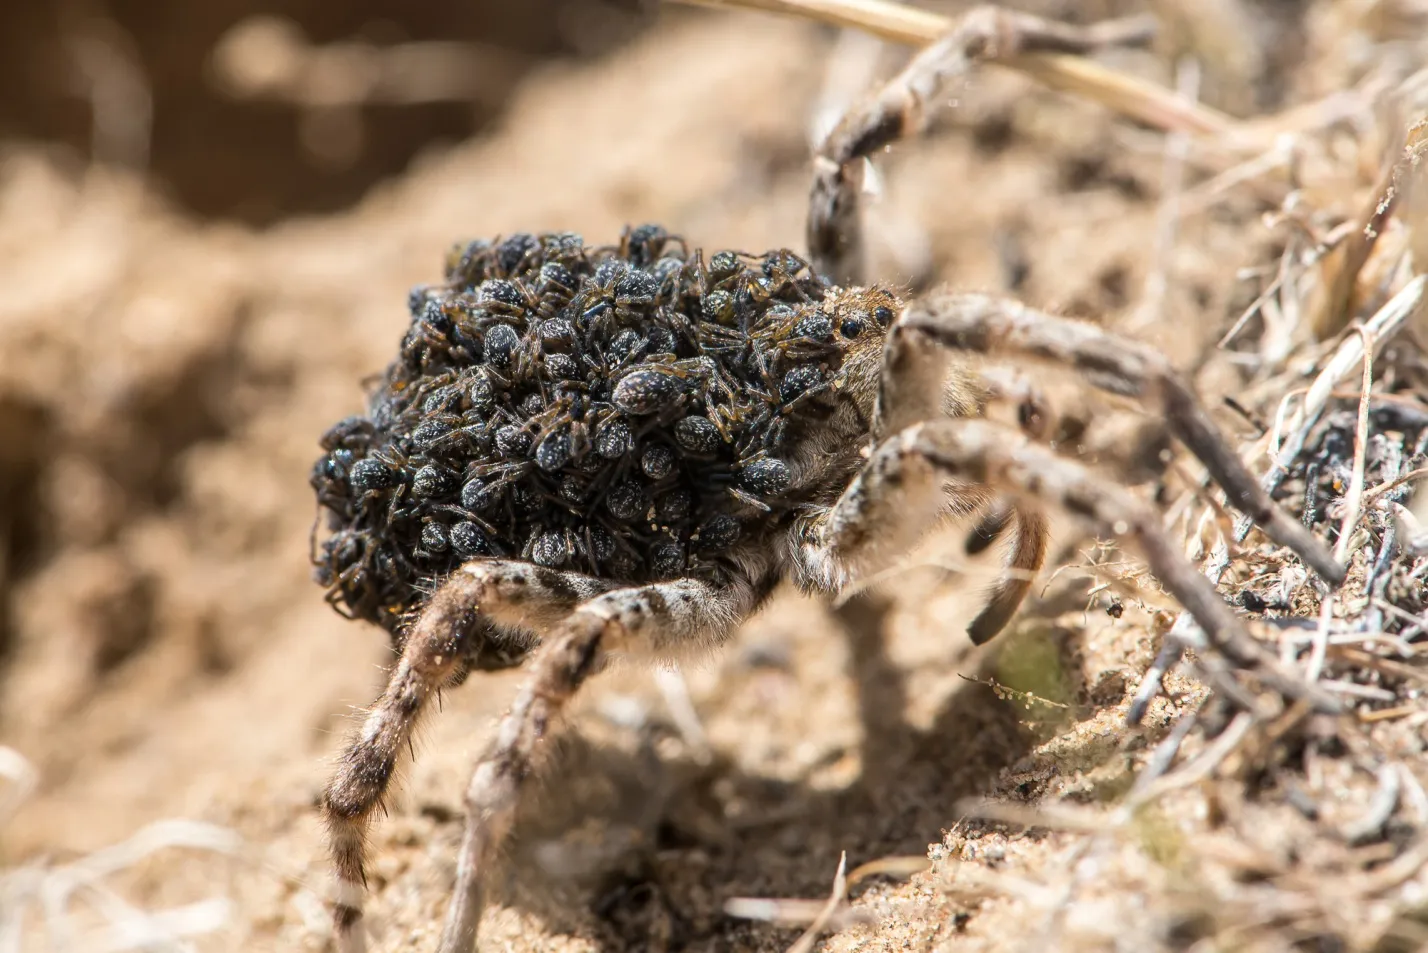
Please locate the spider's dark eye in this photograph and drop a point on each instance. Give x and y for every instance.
(883, 316)
(852, 327)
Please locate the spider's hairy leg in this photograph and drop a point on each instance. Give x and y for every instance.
(898, 110)
(653, 619)
(507, 591)
(993, 455)
(1028, 552)
(891, 502)
(1003, 328)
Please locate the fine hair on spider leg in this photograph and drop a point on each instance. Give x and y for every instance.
(646, 620)
(987, 325)
(432, 655)
(1003, 328)
(1028, 553)
(432, 652)
(995, 456)
(834, 232)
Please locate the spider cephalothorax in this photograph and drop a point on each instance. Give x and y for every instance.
(627, 411)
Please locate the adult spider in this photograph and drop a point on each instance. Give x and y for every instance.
(624, 449)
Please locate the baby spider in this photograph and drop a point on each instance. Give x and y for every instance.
(582, 452)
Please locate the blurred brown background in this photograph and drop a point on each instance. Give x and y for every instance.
(259, 110)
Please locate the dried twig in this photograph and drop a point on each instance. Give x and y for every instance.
(1161, 759)
(1182, 634)
(1319, 647)
(1202, 765)
(1372, 496)
(675, 691)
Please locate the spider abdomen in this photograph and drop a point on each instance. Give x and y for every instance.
(617, 411)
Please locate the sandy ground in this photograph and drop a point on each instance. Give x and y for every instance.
(162, 385)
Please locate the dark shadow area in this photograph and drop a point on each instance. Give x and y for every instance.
(643, 841)
(143, 84)
(25, 438)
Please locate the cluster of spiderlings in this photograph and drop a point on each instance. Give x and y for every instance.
(617, 411)
(1320, 476)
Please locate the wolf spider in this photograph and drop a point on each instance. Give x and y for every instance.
(881, 433)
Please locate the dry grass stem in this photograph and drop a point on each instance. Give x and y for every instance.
(794, 913)
(897, 22)
(1132, 97)
(1027, 699)
(1353, 500)
(836, 898)
(832, 914)
(1330, 308)
(899, 867)
(1161, 760)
